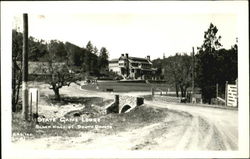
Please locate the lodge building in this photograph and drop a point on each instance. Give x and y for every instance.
(132, 67)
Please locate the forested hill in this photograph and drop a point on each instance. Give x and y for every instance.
(85, 59)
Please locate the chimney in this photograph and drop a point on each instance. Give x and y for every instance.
(148, 58)
(122, 55)
(126, 55)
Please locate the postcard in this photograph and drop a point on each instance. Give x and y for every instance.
(136, 79)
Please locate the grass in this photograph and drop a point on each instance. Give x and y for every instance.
(136, 118)
(125, 87)
(74, 100)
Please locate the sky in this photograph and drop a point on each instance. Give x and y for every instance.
(138, 34)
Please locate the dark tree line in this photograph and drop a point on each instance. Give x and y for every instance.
(88, 58)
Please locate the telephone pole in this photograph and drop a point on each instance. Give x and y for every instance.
(192, 74)
(25, 106)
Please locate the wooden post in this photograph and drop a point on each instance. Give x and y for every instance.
(237, 96)
(116, 108)
(226, 92)
(192, 75)
(25, 105)
(217, 90)
(117, 99)
(37, 106)
(30, 106)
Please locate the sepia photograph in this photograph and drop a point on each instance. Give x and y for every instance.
(128, 79)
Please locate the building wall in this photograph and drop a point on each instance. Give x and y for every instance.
(114, 67)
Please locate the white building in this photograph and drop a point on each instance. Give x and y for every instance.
(132, 67)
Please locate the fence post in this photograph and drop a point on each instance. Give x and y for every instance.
(30, 113)
(217, 90)
(117, 99)
(226, 93)
(236, 82)
(36, 106)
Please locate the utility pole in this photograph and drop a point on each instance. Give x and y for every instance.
(25, 105)
(192, 74)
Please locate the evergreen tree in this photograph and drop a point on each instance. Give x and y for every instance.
(214, 65)
(90, 47)
(103, 60)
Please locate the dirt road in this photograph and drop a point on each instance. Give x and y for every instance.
(214, 128)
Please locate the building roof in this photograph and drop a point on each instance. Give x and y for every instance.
(132, 59)
(138, 59)
(114, 60)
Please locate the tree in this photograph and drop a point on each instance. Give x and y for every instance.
(103, 59)
(16, 69)
(75, 54)
(59, 73)
(227, 68)
(37, 49)
(91, 58)
(211, 41)
(88, 58)
(214, 65)
(90, 47)
(57, 50)
(95, 51)
(61, 76)
(206, 60)
(94, 62)
(158, 64)
(177, 71)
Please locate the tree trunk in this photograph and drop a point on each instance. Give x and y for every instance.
(209, 101)
(185, 91)
(18, 86)
(13, 88)
(182, 92)
(57, 94)
(177, 90)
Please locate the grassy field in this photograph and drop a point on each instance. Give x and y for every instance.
(125, 86)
